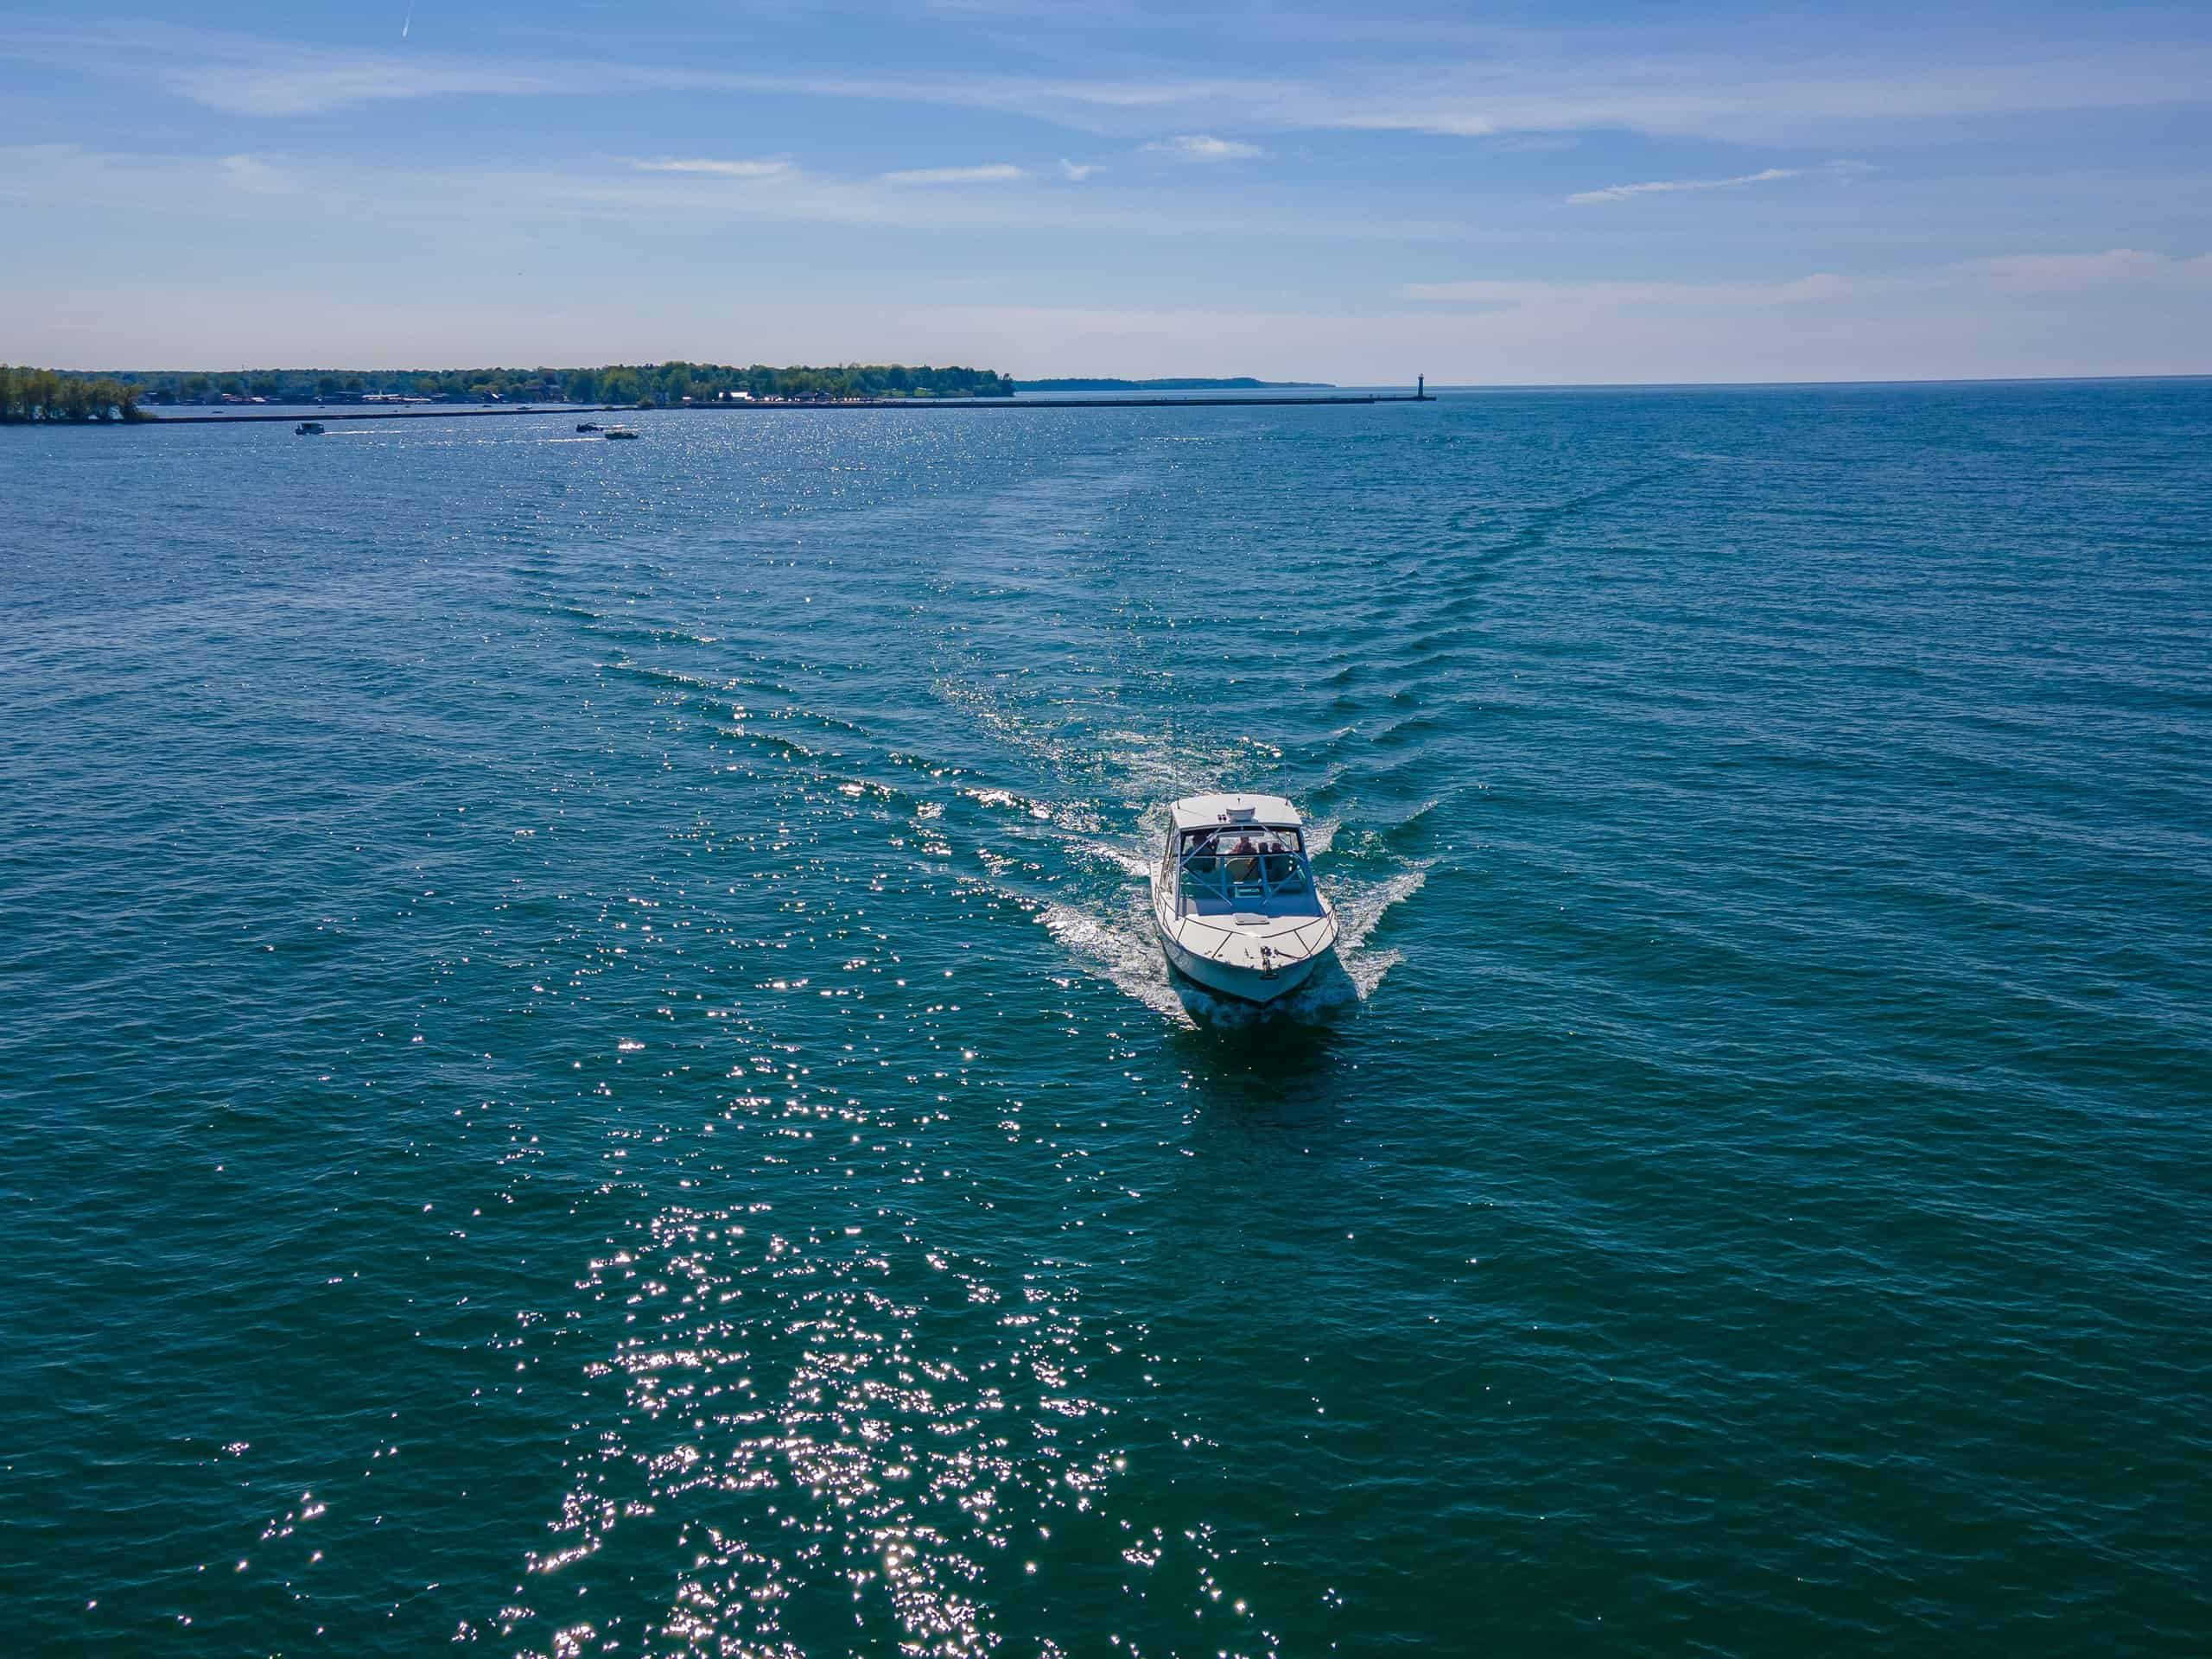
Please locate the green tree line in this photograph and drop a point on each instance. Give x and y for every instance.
(54, 395)
(661, 384)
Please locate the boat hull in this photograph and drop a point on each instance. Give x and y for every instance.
(1231, 980)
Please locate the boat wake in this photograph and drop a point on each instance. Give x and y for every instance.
(1047, 843)
(1120, 950)
(1359, 909)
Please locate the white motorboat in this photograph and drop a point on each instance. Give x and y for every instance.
(1234, 898)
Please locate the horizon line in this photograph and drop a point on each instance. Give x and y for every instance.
(1749, 385)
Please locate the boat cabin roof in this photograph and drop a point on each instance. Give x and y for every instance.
(1259, 811)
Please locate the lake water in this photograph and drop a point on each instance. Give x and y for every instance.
(583, 1072)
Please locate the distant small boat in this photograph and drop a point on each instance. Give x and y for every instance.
(622, 432)
(307, 429)
(1233, 897)
(587, 426)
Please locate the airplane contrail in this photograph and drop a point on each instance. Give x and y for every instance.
(410, 24)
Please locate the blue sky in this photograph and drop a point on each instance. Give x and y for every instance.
(1354, 193)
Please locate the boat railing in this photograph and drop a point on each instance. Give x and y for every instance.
(1208, 872)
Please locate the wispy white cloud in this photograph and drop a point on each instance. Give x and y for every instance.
(1821, 285)
(251, 172)
(1662, 187)
(1077, 172)
(1839, 170)
(1202, 147)
(250, 79)
(172, 192)
(990, 173)
(767, 167)
(1543, 83)
(1737, 97)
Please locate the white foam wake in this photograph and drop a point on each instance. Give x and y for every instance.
(1359, 908)
(1120, 950)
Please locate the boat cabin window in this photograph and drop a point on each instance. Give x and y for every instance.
(1244, 861)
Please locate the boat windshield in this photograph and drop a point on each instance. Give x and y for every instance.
(1244, 862)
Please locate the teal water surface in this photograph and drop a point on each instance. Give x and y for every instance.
(582, 1071)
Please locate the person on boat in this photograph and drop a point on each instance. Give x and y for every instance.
(1243, 860)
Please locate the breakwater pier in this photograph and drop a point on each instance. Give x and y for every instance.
(918, 405)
